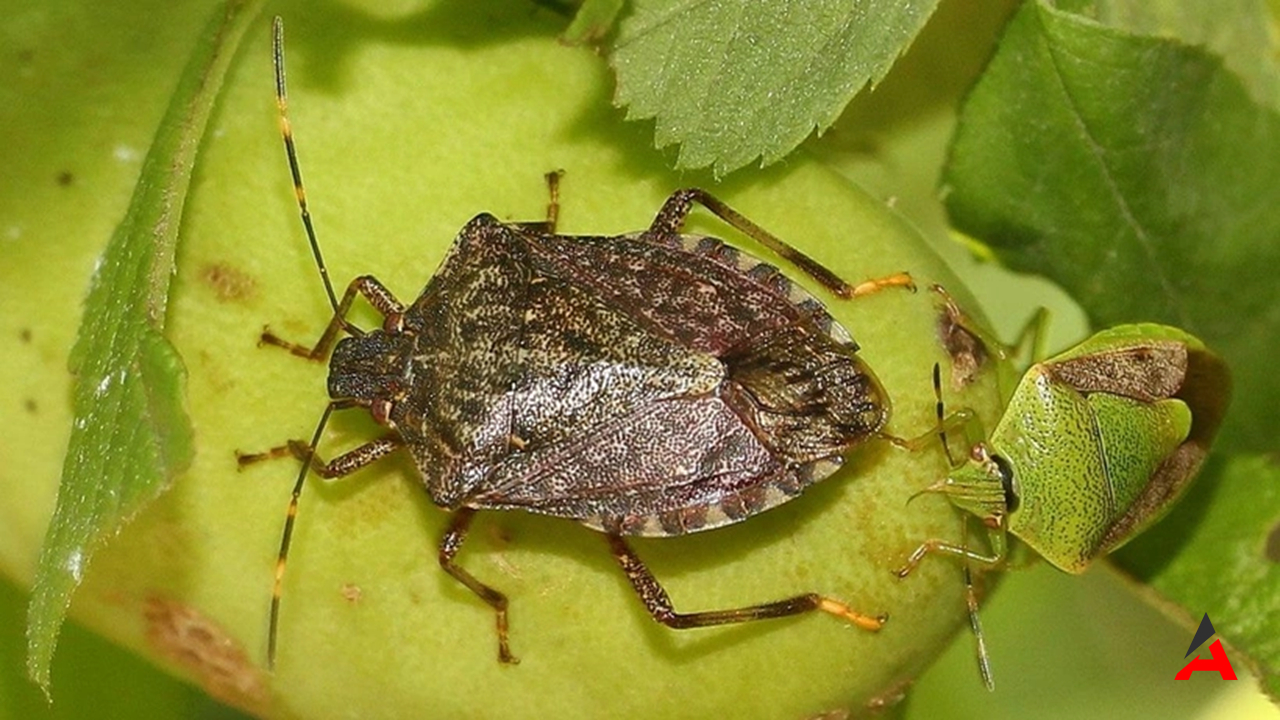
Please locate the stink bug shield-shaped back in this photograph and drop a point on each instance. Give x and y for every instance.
(651, 384)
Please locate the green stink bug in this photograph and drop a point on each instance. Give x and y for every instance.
(1095, 445)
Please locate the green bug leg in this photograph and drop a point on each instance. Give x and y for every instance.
(968, 421)
(961, 419)
(975, 626)
(997, 560)
(1031, 338)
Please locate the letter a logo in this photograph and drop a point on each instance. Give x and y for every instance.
(1217, 663)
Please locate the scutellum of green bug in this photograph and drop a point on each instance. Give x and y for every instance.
(1095, 444)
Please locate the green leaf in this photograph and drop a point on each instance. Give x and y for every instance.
(592, 21)
(131, 434)
(1230, 566)
(1238, 31)
(738, 80)
(1139, 174)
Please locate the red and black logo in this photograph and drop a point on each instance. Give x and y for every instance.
(1217, 662)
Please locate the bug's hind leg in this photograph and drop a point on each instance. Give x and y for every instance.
(658, 604)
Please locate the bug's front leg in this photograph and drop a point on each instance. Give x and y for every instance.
(343, 465)
(995, 561)
(367, 286)
(998, 559)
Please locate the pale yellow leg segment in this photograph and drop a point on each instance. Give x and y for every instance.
(839, 609)
(875, 285)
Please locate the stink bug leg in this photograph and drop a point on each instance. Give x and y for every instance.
(366, 285)
(659, 605)
(449, 547)
(340, 466)
(548, 226)
(671, 217)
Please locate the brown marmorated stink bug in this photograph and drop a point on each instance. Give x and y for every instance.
(651, 384)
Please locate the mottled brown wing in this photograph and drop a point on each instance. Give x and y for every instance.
(1151, 371)
(669, 468)
(798, 383)
(695, 291)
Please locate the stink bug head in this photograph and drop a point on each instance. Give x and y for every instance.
(983, 486)
(371, 368)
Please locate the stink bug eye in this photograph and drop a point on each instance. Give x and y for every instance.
(1006, 483)
(653, 384)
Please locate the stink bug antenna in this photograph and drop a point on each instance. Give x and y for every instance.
(308, 459)
(286, 132)
(939, 409)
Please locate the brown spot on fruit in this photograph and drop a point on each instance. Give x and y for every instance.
(968, 353)
(890, 698)
(203, 648)
(352, 593)
(228, 283)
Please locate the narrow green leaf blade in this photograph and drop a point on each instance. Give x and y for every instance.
(1139, 174)
(131, 434)
(737, 80)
